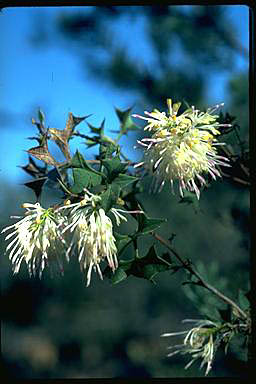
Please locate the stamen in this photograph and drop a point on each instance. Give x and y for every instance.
(158, 162)
(138, 165)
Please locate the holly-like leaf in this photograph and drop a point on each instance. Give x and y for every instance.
(146, 267)
(33, 169)
(61, 138)
(149, 266)
(36, 185)
(78, 161)
(84, 179)
(147, 224)
(98, 130)
(41, 153)
(124, 180)
(122, 241)
(118, 276)
(126, 123)
(109, 197)
(73, 121)
(114, 166)
(55, 176)
(107, 149)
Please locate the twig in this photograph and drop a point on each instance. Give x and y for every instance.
(237, 179)
(201, 281)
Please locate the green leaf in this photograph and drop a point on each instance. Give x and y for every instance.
(107, 149)
(126, 123)
(114, 166)
(120, 273)
(109, 197)
(122, 241)
(98, 130)
(124, 180)
(118, 276)
(33, 169)
(54, 174)
(36, 185)
(148, 266)
(147, 224)
(84, 179)
(78, 161)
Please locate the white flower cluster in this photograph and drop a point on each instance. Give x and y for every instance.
(92, 233)
(181, 147)
(36, 235)
(199, 342)
(42, 235)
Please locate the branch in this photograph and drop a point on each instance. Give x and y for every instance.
(201, 281)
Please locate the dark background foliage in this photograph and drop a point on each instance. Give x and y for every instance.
(58, 328)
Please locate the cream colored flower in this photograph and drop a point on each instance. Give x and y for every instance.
(199, 342)
(181, 148)
(92, 234)
(34, 236)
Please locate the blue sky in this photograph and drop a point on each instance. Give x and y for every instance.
(52, 78)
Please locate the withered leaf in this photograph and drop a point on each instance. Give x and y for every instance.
(61, 138)
(33, 169)
(73, 121)
(42, 153)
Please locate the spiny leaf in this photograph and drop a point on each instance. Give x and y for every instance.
(61, 138)
(107, 149)
(98, 130)
(33, 169)
(84, 179)
(73, 121)
(118, 276)
(122, 241)
(148, 266)
(114, 166)
(36, 185)
(124, 180)
(40, 127)
(109, 197)
(126, 123)
(78, 160)
(147, 224)
(41, 153)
